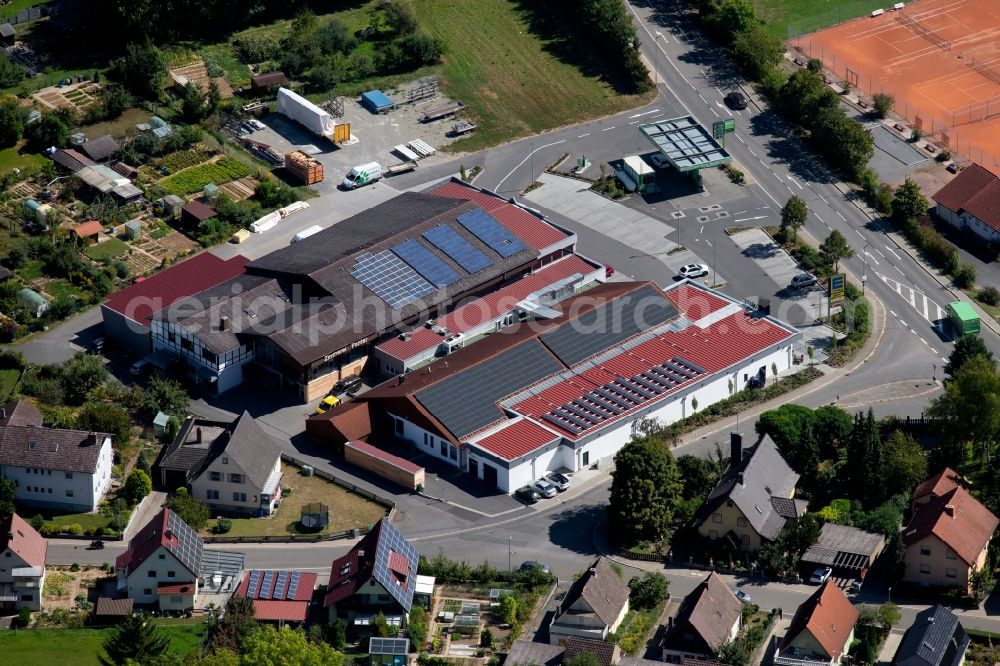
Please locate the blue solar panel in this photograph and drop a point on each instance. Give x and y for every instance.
(426, 263)
(279, 587)
(254, 580)
(293, 586)
(390, 278)
(448, 241)
(482, 225)
(265, 588)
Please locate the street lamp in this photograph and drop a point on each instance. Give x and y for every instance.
(656, 59)
(508, 554)
(864, 276)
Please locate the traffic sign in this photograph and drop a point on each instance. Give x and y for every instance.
(837, 290)
(719, 130)
(730, 125)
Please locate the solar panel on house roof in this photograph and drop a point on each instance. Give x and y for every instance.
(279, 585)
(392, 540)
(265, 587)
(254, 583)
(390, 278)
(293, 586)
(448, 241)
(482, 225)
(186, 545)
(426, 263)
(393, 646)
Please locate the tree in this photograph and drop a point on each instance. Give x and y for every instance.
(904, 463)
(336, 632)
(888, 616)
(757, 50)
(835, 248)
(486, 638)
(735, 16)
(647, 592)
(267, 646)
(191, 511)
(582, 659)
(787, 425)
(909, 202)
(864, 459)
(213, 98)
(136, 639)
(982, 582)
(698, 474)
(381, 625)
(48, 131)
(645, 488)
(80, 375)
(137, 485)
(966, 347)
(11, 121)
(106, 417)
(969, 409)
(793, 216)
(167, 396)
(115, 100)
(237, 621)
(832, 427)
(192, 103)
(882, 103)
(141, 70)
(8, 490)
(508, 609)
(399, 16)
(735, 652)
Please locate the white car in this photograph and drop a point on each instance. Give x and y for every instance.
(821, 575)
(544, 488)
(659, 160)
(693, 271)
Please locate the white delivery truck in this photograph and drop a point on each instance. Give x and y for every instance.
(362, 175)
(306, 233)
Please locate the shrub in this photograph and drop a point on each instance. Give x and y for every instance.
(37, 521)
(102, 531)
(814, 65)
(75, 528)
(24, 617)
(647, 592)
(989, 295)
(965, 277)
(74, 567)
(222, 525)
(882, 104)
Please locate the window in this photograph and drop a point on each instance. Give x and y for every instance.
(162, 556)
(950, 554)
(729, 503)
(225, 460)
(50, 491)
(717, 518)
(186, 344)
(212, 494)
(215, 476)
(239, 497)
(171, 574)
(951, 573)
(147, 591)
(69, 493)
(399, 426)
(444, 448)
(209, 355)
(454, 453)
(925, 550)
(69, 475)
(741, 522)
(26, 597)
(171, 337)
(151, 573)
(235, 478)
(925, 568)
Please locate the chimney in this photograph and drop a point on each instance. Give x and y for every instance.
(949, 509)
(197, 435)
(402, 378)
(930, 620)
(735, 449)
(223, 323)
(740, 478)
(3, 413)
(670, 623)
(361, 558)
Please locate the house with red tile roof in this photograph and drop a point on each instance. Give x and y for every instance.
(561, 391)
(127, 312)
(947, 539)
(163, 564)
(940, 484)
(821, 631)
(971, 201)
(278, 596)
(22, 564)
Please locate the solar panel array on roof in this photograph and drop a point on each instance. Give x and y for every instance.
(484, 227)
(393, 646)
(467, 401)
(391, 540)
(253, 588)
(620, 395)
(390, 279)
(448, 241)
(426, 263)
(603, 327)
(186, 545)
(686, 143)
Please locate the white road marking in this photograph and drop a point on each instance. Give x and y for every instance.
(899, 271)
(714, 111)
(740, 139)
(644, 113)
(869, 255)
(894, 315)
(795, 181)
(877, 250)
(607, 129)
(583, 135)
(751, 152)
(821, 198)
(859, 233)
(703, 98)
(779, 178)
(840, 215)
(892, 252)
(527, 157)
(748, 219)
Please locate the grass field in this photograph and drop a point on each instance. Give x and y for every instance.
(15, 6)
(508, 76)
(53, 646)
(11, 158)
(347, 510)
(810, 15)
(8, 380)
(196, 178)
(109, 249)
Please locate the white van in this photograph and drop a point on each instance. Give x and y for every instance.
(306, 233)
(362, 175)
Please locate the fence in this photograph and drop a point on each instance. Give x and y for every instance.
(922, 30)
(842, 13)
(23, 16)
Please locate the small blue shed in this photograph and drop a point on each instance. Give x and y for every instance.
(376, 101)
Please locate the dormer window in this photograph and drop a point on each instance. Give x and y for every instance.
(32, 445)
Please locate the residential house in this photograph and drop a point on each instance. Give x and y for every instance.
(22, 564)
(51, 467)
(162, 564)
(540, 654)
(936, 638)
(593, 607)
(278, 596)
(821, 631)
(946, 540)
(708, 617)
(971, 201)
(233, 467)
(938, 485)
(754, 498)
(606, 653)
(378, 575)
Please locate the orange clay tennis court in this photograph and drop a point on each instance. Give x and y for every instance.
(940, 59)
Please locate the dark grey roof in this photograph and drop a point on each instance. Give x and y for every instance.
(706, 617)
(761, 475)
(191, 446)
(529, 652)
(20, 413)
(789, 508)
(249, 446)
(7, 30)
(51, 448)
(936, 638)
(71, 159)
(844, 547)
(107, 606)
(100, 149)
(603, 591)
(467, 402)
(596, 330)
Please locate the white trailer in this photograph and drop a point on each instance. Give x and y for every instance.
(306, 233)
(307, 114)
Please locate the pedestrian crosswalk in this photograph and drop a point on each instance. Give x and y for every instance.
(925, 307)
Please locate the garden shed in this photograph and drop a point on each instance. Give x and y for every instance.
(265, 82)
(195, 213)
(31, 209)
(211, 192)
(376, 101)
(32, 301)
(160, 423)
(7, 33)
(88, 231)
(171, 206)
(133, 229)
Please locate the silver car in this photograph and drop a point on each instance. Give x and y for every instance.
(560, 481)
(544, 488)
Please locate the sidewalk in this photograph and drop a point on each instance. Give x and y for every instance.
(890, 646)
(148, 507)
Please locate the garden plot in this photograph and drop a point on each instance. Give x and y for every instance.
(197, 74)
(63, 586)
(241, 189)
(459, 618)
(78, 95)
(194, 179)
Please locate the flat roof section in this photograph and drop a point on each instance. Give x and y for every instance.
(687, 144)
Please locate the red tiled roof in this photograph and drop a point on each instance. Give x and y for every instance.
(187, 278)
(376, 452)
(975, 190)
(199, 210)
(399, 563)
(350, 422)
(89, 228)
(943, 482)
(517, 439)
(23, 540)
(176, 588)
(487, 308)
(271, 610)
(958, 520)
(529, 228)
(828, 616)
(281, 608)
(695, 303)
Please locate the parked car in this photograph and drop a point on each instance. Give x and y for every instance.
(527, 494)
(609, 271)
(736, 100)
(531, 564)
(693, 270)
(139, 367)
(821, 575)
(328, 403)
(803, 280)
(560, 481)
(743, 596)
(348, 384)
(545, 489)
(953, 168)
(659, 160)
(97, 345)
(856, 585)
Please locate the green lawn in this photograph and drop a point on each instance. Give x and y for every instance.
(31, 270)
(81, 646)
(57, 519)
(12, 158)
(109, 249)
(508, 76)
(62, 289)
(8, 379)
(15, 6)
(791, 18)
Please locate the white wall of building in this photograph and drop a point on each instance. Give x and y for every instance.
(26, 590)
(157, 570)
(967, 221)
(427, 442)
(59, 489)
(227, 487)
(227, 367)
